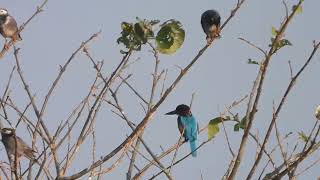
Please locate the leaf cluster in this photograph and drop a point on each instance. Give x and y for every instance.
(168, 40)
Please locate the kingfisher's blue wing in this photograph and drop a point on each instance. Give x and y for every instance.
(190, 132)
(190, 127)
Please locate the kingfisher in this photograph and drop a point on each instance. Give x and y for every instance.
(210, 22)
(8, 26)
(14, 145)
(187, 125)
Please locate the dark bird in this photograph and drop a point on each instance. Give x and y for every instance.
(210, 22)
(187, 125)
(8, 26)
(15, 146)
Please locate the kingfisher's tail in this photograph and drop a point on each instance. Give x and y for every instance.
(193, 148)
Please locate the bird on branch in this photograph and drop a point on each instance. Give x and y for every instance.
(210, 22)
(187, 125)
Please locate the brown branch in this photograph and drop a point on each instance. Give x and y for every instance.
(106, 86)
(149, 115)
(283, 154)
(91, 113)
(274, 118)
(123, 116)
(47, 138)
(141, 126)
(63, 69)
(180, 160)
(121, 111)
(295, 160)
(3, 170)
(253, 45)
(133, 90)
(76, 111)
(250, 116)
(270, 159)
(227, 137)
(308, 167)
(152, 94)
(177, 149)
(177, 145)
(4, 95)
(292, 172)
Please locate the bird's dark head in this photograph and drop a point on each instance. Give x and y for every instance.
(181, 110)
(6, 132)
(3, 12)
(211, 17)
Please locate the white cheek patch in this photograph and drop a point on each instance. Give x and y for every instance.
(3, 12)
(7, 131)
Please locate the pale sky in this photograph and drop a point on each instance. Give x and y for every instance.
(221, 76)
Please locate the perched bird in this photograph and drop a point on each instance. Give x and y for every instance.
(187, 125)
(8, 26)
(210, 22)
(9, 140)
(317, 113)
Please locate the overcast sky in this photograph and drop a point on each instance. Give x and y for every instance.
(221, 76)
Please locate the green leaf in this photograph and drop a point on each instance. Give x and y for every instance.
(170, 37)
(240, 125)
(123, 52)
(213, 127)
(299, 9)
(143, 30)
(134, 35)
(126, 27)
(303, 137)
(274, 31)
(285, 42)
(287, 135)
(250, 61)
(236, 127)
(281, 43)
(140, 32)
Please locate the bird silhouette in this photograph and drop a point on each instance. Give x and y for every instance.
(210, 22)
(187, 125)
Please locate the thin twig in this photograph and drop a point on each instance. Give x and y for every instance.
(253, 45)
(250, 116)
(274, 118)
(138, 130)
(180, 160)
